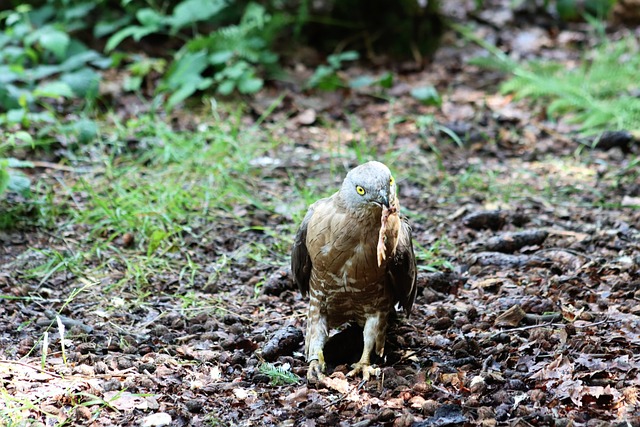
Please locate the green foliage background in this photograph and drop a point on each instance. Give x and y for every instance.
(53, 54)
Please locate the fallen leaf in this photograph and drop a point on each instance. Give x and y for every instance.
(307, 117)
(125, 401)
(511, 318)
(341, 385)
(157, 419)
(299, 395)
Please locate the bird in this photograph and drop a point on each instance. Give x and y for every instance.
(353, 257)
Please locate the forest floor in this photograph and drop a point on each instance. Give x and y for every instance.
(146, 281)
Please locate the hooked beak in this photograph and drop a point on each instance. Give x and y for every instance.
(383, 199)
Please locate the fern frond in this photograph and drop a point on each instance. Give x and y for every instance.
(593, 94)
(278, 375)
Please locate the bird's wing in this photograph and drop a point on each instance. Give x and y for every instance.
(402, 271)
(300, 260)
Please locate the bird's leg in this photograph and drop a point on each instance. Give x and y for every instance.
(317, 333)
(374, 336)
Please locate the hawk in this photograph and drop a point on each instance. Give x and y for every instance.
(353, 255)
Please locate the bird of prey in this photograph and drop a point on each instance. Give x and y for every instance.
(353, 255)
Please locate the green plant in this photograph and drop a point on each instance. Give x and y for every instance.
(278, 375)
(40, 62)
(140, 68)
(428, 125)
(431, 259)
(571, 10)
(227, 58)
(11, 179)
(326, 77)
(384, 81)
(598, 94)
(427, 95)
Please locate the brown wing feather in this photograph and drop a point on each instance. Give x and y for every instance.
(402, 271)
(300, 260)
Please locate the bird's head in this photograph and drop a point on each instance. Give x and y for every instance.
(368, 186)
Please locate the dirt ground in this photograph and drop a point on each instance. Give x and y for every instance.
(537, 328)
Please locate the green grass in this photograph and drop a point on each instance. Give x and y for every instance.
(432, 259)
(598, 93)
(160, 187)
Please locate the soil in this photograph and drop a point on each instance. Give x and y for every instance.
(532, 320)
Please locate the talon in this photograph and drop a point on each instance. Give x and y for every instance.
(366, 370)
(315, 371)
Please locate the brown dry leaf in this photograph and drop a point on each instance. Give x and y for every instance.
(457, 112)
(125, 401)
(530, 41)
(503, 106)
(307, 117)
(241, 393)
(157, 419)
(341, 385)
(511, 318)
(417, 402)
(394, 403)
(581, 394)
(490, 284)
(299, 395)
(454, 379)
(570, 313)
(557, 369)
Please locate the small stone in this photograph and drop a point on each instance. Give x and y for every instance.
(194, 405)
(111, 385)
(100, 367)
(429, 406)
(149, 367)
(314, 410)
(441, 324)
(386, 415)
(83, 413)
(128, 240)
(237, 329)
(124, 363)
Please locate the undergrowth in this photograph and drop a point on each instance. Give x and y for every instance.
(599, 93)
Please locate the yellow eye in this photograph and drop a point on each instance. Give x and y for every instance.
(360, 190)
(392, 181)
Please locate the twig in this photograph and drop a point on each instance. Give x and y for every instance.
(26, 365)
(55, 166)
(591, 325)
(68, 322)
(537, 318)
(542, 325)
(119, 374)
(410, 354)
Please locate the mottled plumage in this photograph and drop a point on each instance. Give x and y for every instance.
(335, 260)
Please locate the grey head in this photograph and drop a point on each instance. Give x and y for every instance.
(368, 186)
